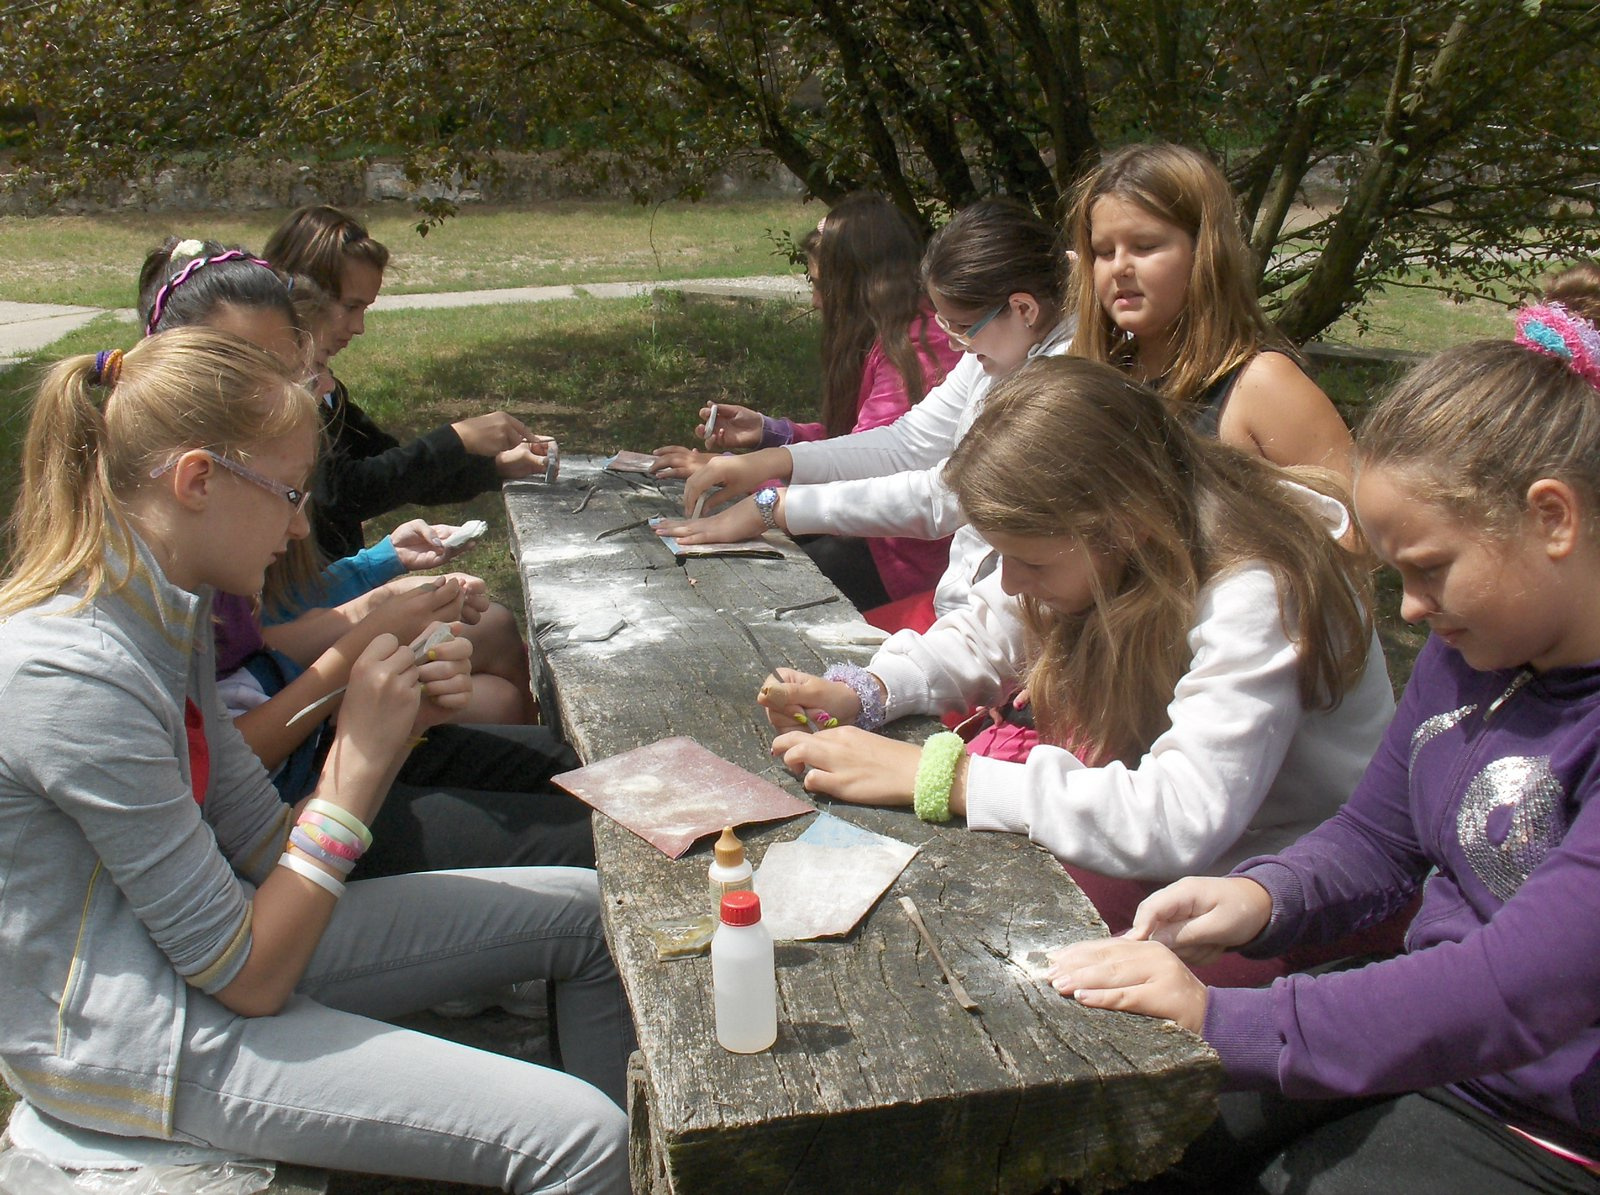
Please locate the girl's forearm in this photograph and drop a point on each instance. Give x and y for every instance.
(308, 636)
(267, 728)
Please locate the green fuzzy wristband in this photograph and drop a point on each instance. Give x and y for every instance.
(936, 776)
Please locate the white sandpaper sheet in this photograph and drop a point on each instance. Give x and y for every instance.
(823, 883)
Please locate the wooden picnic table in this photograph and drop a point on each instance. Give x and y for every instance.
(879, 1080)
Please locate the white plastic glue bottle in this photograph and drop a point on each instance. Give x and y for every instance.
(730, 871)
(744, 977)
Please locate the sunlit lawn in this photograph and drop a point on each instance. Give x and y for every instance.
(45, 259)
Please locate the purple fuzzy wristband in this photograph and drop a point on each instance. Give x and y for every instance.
(865, 687)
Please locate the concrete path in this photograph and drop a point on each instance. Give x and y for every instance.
(26, 328)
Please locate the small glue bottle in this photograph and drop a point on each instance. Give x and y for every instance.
(730, 871)
(744, 977)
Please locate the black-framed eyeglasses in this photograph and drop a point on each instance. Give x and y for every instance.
(963, 334)
(297, 498)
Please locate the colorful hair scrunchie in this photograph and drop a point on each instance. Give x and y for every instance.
(107, 368)
(1551, 329)
(159, 307)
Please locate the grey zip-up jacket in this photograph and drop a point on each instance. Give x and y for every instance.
(117, 887)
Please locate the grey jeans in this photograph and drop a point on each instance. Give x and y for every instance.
(323, 1084)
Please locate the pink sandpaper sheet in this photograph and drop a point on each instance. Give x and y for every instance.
(674, 791)
(631, 462)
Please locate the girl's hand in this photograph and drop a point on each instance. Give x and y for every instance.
(1141, 977)
(420, 544)
(739, 521)
(738, 428)
(1199, 917)
(410, 605)
(792, 692)
(851, 764)
(491, 434)
(381, 704)
(674, 460)
(527, 459)
(737, 475)
(446, 677)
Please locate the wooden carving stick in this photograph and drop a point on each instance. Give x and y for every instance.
(956, 990)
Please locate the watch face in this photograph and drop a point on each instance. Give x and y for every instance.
(767, 503)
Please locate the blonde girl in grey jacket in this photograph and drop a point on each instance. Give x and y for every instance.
(179, 955)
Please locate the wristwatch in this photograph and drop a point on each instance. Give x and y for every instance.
(767, 504)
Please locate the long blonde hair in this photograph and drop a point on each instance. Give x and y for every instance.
(90, 447)
(1076, 449)
(1221, 325)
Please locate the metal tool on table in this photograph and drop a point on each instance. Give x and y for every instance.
(419, 651)
(619, 530)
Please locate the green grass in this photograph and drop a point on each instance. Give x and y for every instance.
(94, 260)
(1404, 317)
(599, 375)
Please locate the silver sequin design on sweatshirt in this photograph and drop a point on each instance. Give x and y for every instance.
(1431, 728)
(1528, 799)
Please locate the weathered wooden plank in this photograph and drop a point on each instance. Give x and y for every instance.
(879, 1080)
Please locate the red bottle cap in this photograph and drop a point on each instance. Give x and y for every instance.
(741, 908)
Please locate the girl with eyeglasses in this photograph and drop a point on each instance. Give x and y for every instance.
(882, 350)
(996, 275)
(471, 795)
(1164, 291)
(181, 956)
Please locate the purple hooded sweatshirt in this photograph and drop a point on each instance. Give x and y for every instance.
(1479, 793)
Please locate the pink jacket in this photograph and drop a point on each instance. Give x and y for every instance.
(906, 566)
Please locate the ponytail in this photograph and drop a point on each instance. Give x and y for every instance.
(100, 424)
(64, 518)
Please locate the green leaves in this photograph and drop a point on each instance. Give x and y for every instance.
(1407, 133)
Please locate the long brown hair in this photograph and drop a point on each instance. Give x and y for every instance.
(868, 255)
(1076, 449)
(1221, 325)
(993, 249)
(317, 240)
(90, 447)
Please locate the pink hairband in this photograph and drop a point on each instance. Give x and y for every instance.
(1551, 329)
(182, 276)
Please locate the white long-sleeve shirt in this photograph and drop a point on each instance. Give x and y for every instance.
(888, 480)
(1242, 770)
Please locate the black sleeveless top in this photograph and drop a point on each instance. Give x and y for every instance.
(1205, 415)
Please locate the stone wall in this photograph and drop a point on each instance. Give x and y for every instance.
(246, 184)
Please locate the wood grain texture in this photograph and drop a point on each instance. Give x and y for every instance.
(879, 1080)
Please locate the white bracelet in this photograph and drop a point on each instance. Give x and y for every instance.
(312, 872)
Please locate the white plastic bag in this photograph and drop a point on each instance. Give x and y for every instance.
(23, 1172)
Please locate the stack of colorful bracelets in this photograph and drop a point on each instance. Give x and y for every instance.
(329, 835)
(941, 754)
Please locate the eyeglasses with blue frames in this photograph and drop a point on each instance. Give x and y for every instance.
(963, 335)
(294, 497)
